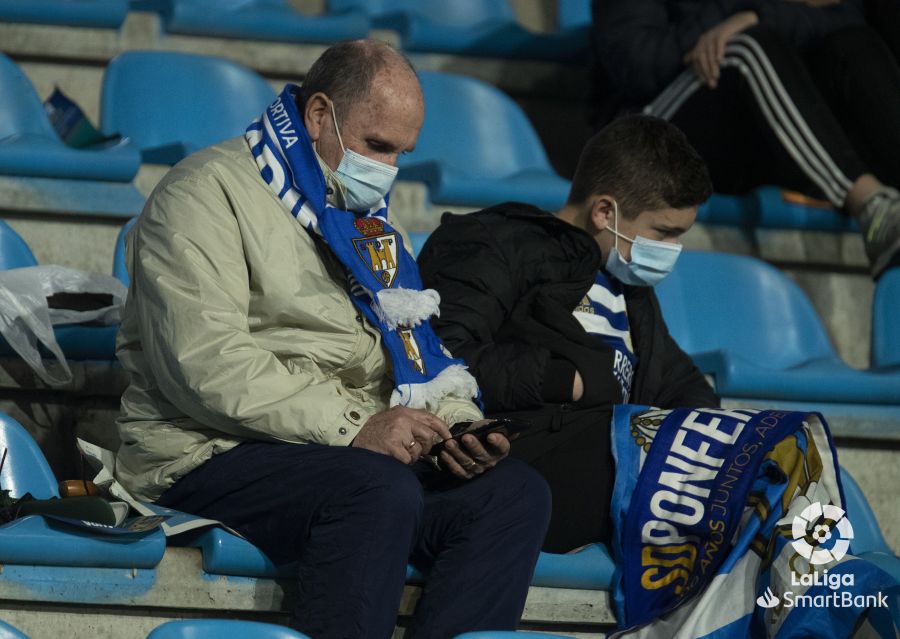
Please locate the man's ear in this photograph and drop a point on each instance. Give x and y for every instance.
(602, 211)
(316, 114)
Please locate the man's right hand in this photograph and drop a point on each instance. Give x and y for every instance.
(403, 433)
(577, 387)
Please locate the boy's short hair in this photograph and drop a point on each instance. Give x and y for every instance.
(645, 163)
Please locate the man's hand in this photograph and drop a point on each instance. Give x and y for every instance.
(707, 55)
(403, 433)
(577, 387)
(472, 458)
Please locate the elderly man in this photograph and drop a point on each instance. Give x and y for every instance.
(556, 315)
(285, 379)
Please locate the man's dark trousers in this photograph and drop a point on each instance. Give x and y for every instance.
(351, 519)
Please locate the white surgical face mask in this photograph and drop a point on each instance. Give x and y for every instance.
(366, 181)
(651, 260)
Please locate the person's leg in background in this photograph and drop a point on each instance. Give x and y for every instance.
(348, 516)
(770, 124)
(479, 543)
(859, 78)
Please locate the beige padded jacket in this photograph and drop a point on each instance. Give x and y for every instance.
(235, 328)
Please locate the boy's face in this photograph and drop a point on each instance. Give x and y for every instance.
(663, 225)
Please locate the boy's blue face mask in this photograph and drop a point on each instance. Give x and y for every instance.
(366, 181)
(651, 260)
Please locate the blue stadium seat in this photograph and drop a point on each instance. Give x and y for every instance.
(756, 332)
(476, 27)
(261, 20)
(417, 241)
(29, 146)
(120, 268)
(14, 252)
(477, 148)
(8, 632)
(35, 541)
(780, 209)
(25, 470)
(77, 342)
(222, 629)
(171, 104)
(591, 568)
(886, 322)
(72, 13)
(868, 542)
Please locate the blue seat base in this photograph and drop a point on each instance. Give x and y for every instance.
(98, 13)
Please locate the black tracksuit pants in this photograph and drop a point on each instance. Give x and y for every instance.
(812, 121)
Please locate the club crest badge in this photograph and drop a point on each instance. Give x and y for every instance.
(379, 254)
(411, 346)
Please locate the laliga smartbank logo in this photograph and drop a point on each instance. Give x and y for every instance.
(811, 530)
(820, 523)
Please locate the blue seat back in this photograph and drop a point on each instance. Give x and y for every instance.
(120, 267)
(26, 469)
(473, 127)
(21, 109)
(162, 98)
(458, 13)
(886, 320)
(14, 252)
(8, 632)
(508, 634)
(574, 14)
(222, 629)
(719, 301)
(867, 535)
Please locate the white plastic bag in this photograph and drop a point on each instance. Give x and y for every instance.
(26, 319)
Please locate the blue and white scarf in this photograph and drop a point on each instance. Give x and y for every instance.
(384, 278)
(602, 313)
(730, 524)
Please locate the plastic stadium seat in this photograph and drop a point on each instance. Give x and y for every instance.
(476, 27)
(25, 470)
(72, 13)
(29, 146)
(8, 632)
(14, 252)
(171, 104)
(261, 20)
(886, 322)
(33, 540)
(417, 241)
(120, 269)
(777, 208)
(223, 553)
(222, 629)
(477, 148)
(77, 342)
(757, 333)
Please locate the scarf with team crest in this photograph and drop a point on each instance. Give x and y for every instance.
(384, 278)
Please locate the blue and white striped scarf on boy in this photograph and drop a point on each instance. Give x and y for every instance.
(384, 278)
(602, 313)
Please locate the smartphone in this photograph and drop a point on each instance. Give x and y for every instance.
(508, 427)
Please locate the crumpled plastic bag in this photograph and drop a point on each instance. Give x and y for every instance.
(26, 318)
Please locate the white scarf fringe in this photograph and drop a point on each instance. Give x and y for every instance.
(406, 307)
(454, 380)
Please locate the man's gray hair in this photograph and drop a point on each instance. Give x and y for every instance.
(345, 71)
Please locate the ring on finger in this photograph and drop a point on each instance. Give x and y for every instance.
(411, 444)
(471, 464)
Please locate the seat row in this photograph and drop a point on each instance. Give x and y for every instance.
(476, 148)
(227, 629)
(473, 27)
(84, 566)
(744, 322)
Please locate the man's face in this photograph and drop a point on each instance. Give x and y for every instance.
(382, 127)
(663, 225)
